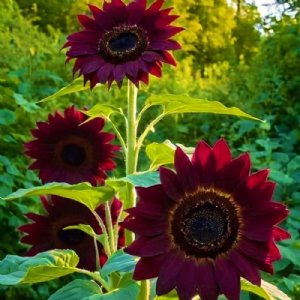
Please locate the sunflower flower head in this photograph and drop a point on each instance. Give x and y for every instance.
(47, 232)
(123, 41)
(65, 150)
(207, 225)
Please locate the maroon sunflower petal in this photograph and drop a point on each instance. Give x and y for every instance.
(148, 267)
(185, 171)
(149, 246)
(206, 225)
(169, 272)
(119, 35)
(280, 234)
(207, 282)
(186, 281)
(233, 173)
(246, 267)
(228, 279)
(48, 230)
(66, 151)
(205, 163)
(170, 183)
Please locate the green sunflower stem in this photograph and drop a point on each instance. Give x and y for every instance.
(131, 157)
(97, 254)
(145, 290)
(106, 244)
(131, 166)
(131, 151)
(110, 227)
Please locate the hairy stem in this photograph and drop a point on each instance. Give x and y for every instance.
(131, 165)
(131, 154)
(131, 157)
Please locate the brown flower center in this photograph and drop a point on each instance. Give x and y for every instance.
(123, 43)
(205, 224)
(73, 154)
(71, 237)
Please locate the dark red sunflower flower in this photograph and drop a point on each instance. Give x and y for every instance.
(47, 232)
(206, 226)
(66, 151)
(123, 41)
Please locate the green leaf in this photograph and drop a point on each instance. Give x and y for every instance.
(82, 227)
(291, 253)
(86, 229)
(101, 110)
(25, 104)
(160, 154)
(174, 104)
(266, 290)
(78, 289)
(75, 86)
(143, 179)
(84, 193)
(7, 117)
(118, 262)
(274, 292)
(130, 292)
(123, 189)
(281, 177)
(40, 268)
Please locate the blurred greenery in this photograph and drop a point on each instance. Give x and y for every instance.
(230, 54)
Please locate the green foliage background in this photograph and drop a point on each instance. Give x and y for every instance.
(230, 54)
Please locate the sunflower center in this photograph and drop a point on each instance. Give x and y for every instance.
(205, 224)
(71, 237)
(123, 43)
(73, 154)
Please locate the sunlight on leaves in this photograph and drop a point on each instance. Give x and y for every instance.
(160, 154)
(174, 104)
(84, 193)
(40, 268)
(266, 290)
(101, 110)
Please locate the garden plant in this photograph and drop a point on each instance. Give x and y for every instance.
(109, 202)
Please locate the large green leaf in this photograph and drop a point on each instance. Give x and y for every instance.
(174, 104)
(75, 86)
(129, 292)
(123, 186)
(84, 193)
(266, 290)
(78, 289)
(42, 267)
(142, 179)
(101, 110)
(118, 262)
(160, 154)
